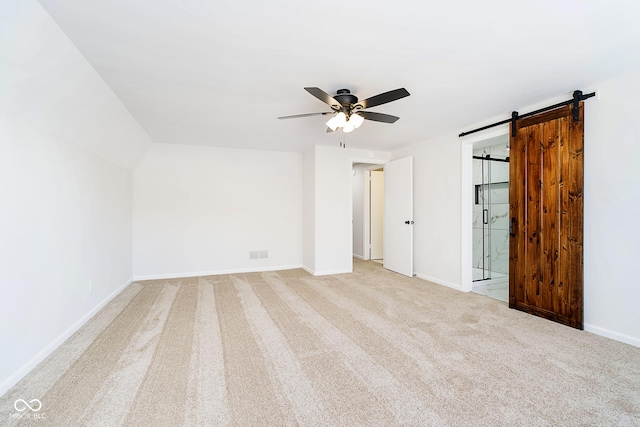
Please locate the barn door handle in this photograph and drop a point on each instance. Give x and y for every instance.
(511, 221)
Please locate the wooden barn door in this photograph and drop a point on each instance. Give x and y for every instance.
(546, 211)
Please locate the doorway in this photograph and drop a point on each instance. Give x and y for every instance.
(490, 218)
(376, 215)
(396, 215)
(368, 211)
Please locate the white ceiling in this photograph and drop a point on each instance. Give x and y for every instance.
(219, 72)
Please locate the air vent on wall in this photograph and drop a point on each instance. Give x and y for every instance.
(259, 254)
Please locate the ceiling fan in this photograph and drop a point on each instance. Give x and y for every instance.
(347, 112)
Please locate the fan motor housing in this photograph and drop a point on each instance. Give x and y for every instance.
(345, 97)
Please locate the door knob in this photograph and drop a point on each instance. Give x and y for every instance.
(408, 222)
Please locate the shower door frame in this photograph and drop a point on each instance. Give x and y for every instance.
(485, 190)
(469, 143)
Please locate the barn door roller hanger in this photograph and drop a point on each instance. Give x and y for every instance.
(575, 101)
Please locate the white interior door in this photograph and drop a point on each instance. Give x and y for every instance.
(398, 216)
(376, 188)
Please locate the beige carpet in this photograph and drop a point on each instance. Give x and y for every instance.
(371, 348)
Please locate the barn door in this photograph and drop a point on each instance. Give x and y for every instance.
(546, 214)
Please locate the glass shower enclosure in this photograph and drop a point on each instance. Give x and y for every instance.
(491, 214)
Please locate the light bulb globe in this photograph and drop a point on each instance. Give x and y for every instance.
(331, 123)
(356, 120)
(341, 119)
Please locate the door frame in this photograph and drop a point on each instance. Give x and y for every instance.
(371, 165)
(466, 217)
(369, 232)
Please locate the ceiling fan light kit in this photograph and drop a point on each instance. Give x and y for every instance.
(356, 119)
(347, 113)
(337, 121)
(340, 121)
(348, 128)
(331, 124)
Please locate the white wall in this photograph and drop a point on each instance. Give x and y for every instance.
(436, 209)
(201, 210)
(309, 209)
(48, 84)
(333, 211)
(612, 206)
(65, 221)
(612, 209)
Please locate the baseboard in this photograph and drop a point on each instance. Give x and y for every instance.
(359, 257)
(327, 272)
(455, 286)
(216, 272)
(45, 352)
(613, 335)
